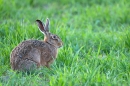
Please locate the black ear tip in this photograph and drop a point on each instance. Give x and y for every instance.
(38, 20)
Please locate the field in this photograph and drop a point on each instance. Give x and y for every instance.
(95, 33)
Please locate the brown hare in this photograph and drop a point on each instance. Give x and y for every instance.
(35, 53)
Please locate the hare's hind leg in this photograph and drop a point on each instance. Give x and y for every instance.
(27, 65)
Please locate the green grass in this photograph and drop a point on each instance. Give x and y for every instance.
(96, 36)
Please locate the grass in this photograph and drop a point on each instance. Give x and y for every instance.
(96, 36)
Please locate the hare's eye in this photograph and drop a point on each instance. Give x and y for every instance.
(54, 37)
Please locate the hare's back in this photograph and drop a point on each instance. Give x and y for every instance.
(26, 46)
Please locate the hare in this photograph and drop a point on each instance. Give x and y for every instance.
(31, 54)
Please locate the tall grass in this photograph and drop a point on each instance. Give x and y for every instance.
(96, 36)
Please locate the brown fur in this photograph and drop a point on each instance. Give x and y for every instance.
(35, 53)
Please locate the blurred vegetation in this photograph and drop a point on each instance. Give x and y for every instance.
(96, 36)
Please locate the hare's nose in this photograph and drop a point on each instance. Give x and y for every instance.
(62, 43)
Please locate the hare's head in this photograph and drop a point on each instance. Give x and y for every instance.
(49, 37)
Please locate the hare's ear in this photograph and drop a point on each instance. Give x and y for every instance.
(41, 26)
(47, 25)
